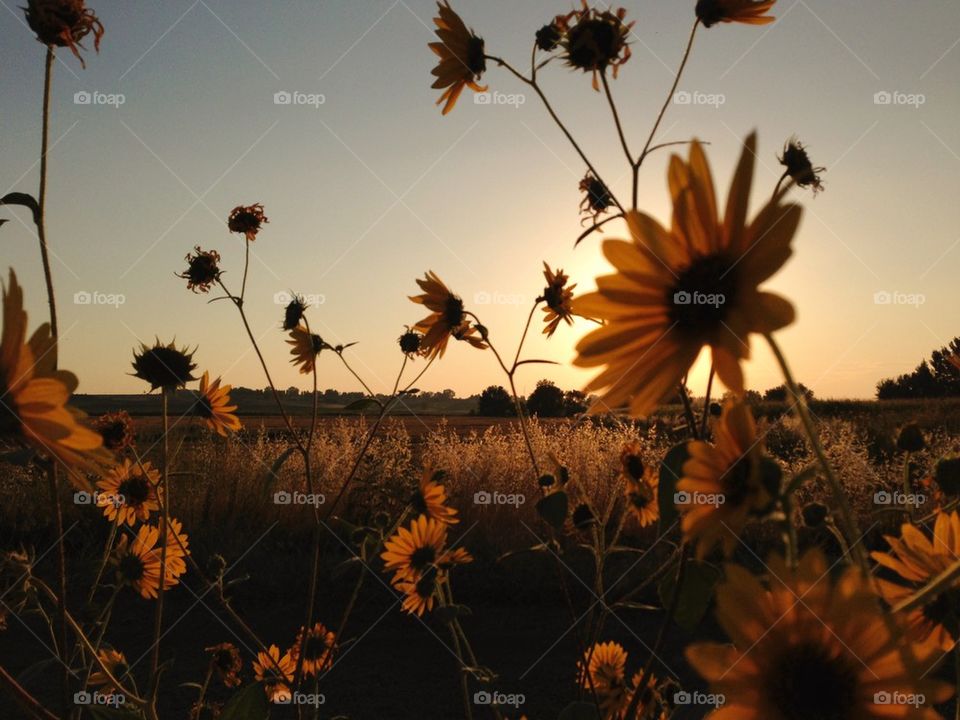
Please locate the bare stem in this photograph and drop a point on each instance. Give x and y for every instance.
(616, 117)
(164, 530)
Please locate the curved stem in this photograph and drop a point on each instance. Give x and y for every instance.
(596, 226)
(353, 372)
(616, 117)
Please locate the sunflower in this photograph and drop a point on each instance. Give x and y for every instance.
(116, 429)
(917, 560)
(723, 482)
(247, 220)
(305, 348)
(462, 60)
(34, 395)
(410, 342)
(214, 406)
(318, 650)
(559, 299)
(594, 40)
(118, 666)
(164, 366)
(293, 312)
(178, 547)
(225, 659)
(809, 647)
(641, 484)
(411, 552)
(430, 498)
(748, 12)
(597, 199)
(64, 23)
(129, 492)
(138, 562)
(447, 318)
(202, 269)
(696, 285)
(798, 166)
(602, 670)
(276, 673)
(419, 597)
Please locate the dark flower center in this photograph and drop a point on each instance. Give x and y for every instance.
(943, 611)
(9, 420)
(131, 567)
(700, 299)
(475, 60)
(419, 503)
(316, 647)
(548, 37)
(710, 12)
(115, 434)
(203, 408)
(134, 490)
(737, 481)
(453, 311)
(423, 557)
(633, 464)
(808, 682)
(594, 43)
(641, 497)
(597, 195)
(554, 297)
(410, 342)
(317, 344)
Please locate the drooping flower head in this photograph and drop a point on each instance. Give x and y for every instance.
(695, 285)
(130, 492)
(276, 673)
(558, 297)
(64, 23)
(596, 199)
(164, 366)
(213, 405)
(550, 35)
(137, 560)
(798, 166)
(594, 40)
(430, 498)
(461, 56)
(202, 269)
(748, 12)
(641, 485)
(226, 660)
(293, 312)
(117, 664)
(306, 346)
(116, 429)
(247, 220)
(420, 596)
(602, 671)
(410, 342)
(447, 318)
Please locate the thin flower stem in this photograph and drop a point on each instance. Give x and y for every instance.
(461, 670)
(595, 227)
(24, 700)
(706, 402)
(206, 684)
(523, 337)
(164, 530)
(616, 118)
(353, 372)
(106, 556)
(848, 519)
(246, 267)
(688, 411)
(956, 670)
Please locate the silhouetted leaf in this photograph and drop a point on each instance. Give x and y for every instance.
(362, 404)
(699, 580)
(250, 703)
(671, 470)
(27, 201)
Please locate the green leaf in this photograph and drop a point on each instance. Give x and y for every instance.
(699, 580)
(553, 508)
(250, 703)
(579, 711)
(671, 470)
(27, 201)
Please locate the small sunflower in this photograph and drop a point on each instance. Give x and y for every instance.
(226, 660)
(202, 269)
(410, 342)
(597, 199)
(276, 672)
(116, 429)
(178, 547)
(116, 663)
(430, 498)
(723, 482)
(293, 312)
(412, 552)
(318, 650)
(130, 492)
(306, 347)
(247, 220)
(64, 23)
(798, 166)
(420, 596)
(447, 318)
(164, 366)
(594, 40)
(809, 647)
(696, 285)
(603, 669)
(918, 559)
(558, 297)
(34, 395)
(748, 12)
(214, 406)
(461, 54)
(641, 485)
(137, 561)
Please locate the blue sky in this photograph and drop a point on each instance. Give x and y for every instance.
(372, 187)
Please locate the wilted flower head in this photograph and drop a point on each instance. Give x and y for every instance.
(202, 269)
(559, 299)
(410, 342)
(595, 40)
(597, 199)
(461, 56)
(798, 166)
(293, 312)
(550, 35)
(226, 660)
(116, 429)
(306, 347)
(247, 220)
(64, 23)
(447, 317)
(749, 12)
(164, 366)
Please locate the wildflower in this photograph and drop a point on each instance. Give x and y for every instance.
(910, 438)
(64, 23)
(559, 299)
(695, 285)
(550, 35)
(461, 56)
(293, 312)
(828, 655)
(164, 366)
(129, 492)
(411, 552)
(447, 318)
(138, 562)
(226, 660)
(748, 12)
(34, 395)
(318, 650)
(430, 498)
(603, 670)
(597, 198)
(798, 166)
(214, 406)
(202, 269)
(410, 342)
(306, 348)
(247, 220)
(116, 429)
(596, 40)
(116, 663)
(419, 596)
(641, 484)
(276, 672)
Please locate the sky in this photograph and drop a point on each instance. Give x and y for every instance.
(367, 186)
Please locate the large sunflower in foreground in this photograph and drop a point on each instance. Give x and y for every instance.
(918, 559)
(462, 60)
(722, 484)
(447, 318)
(696, 285)
(809, 647)
(748, 12)
(276, 672)
(214, 406)
(129, 492)
(34, 394)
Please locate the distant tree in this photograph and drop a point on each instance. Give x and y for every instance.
(752, 397)
(448, 394)
(495, 401)
(574, 402)
(292, 391)
(546, 400)
(780, 394)
(938, 377)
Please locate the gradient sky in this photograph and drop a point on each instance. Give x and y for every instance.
(373, 187)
